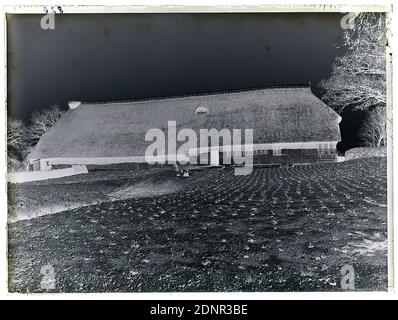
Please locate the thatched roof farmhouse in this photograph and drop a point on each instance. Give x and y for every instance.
(282, 118)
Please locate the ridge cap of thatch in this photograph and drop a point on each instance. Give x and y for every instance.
(201, 94)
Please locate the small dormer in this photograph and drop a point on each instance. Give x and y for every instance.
(202, 111)
(74, 104)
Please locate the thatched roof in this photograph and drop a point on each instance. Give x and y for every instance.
(117, 129)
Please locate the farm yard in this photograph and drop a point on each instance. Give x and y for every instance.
(278, 229)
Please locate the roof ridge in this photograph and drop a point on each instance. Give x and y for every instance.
(199, 94)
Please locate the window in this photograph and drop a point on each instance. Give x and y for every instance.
(277, 151)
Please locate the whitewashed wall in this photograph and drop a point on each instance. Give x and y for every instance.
(21, 177)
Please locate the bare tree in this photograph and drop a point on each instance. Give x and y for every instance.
(16, 144)
(42, 121)
(373, 132)
(358, 78)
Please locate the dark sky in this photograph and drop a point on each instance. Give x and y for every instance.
(101, 57)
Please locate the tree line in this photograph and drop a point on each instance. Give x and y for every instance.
(358, 78)
(21, 137)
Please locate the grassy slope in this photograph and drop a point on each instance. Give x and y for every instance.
(29, 200)
(275, 230)
(38, 198)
